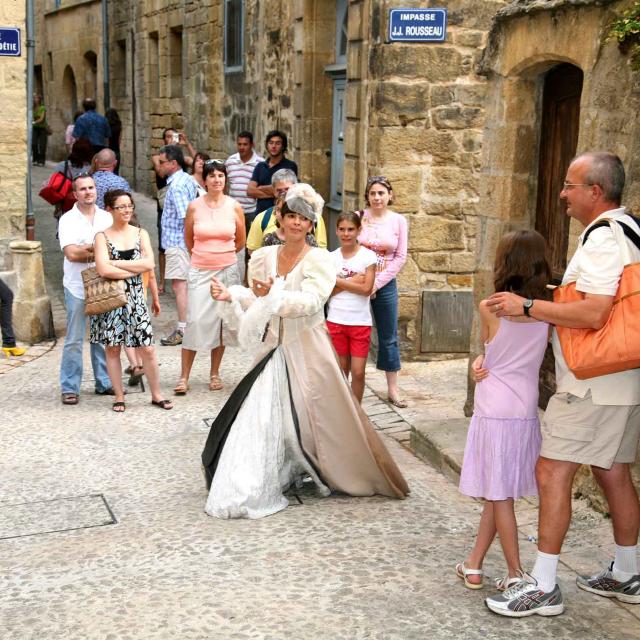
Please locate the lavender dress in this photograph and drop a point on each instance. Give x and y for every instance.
(503, 442)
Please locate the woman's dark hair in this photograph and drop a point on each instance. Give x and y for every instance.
(112, 117)
(200, 154)
(76, 115)
(521, 264)
(110, 197)
(349, 216)
(213, 165)
(381, 180)
(81, 152)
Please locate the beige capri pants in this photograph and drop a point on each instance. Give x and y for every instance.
(204, 325)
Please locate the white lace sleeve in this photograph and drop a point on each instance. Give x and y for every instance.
(319, 279)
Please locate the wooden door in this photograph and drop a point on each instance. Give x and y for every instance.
(558, 140)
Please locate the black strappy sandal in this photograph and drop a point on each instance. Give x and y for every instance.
(162, 404)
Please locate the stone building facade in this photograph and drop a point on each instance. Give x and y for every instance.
(20, 260)
(475, 132)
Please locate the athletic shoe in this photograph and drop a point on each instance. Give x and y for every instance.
(526, 599)
(172, 340)
(604, 584)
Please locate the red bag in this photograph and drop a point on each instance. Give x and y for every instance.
(57, 187)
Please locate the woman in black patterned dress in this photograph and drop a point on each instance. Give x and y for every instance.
(123, 252)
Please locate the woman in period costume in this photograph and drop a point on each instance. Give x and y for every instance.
(293, 415)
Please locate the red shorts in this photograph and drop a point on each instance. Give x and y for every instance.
(350, 340)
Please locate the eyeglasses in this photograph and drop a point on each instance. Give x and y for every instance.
(213, 161)
(570, 185)
(125, 207)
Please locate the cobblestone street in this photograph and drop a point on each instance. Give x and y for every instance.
(103, 533)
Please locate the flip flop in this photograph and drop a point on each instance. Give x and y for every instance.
(118, 407)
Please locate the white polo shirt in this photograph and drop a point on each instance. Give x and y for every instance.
(76, 228)
(596, 268)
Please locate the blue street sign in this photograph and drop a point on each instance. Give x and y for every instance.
(10, 41)
(417, 25)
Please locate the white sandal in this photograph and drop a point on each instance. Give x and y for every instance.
(504, 583)
(462, 572)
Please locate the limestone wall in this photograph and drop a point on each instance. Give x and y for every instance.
(13, 151)
(69, 52)
(416, 114)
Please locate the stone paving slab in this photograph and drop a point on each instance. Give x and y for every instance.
(49, 516)
(329, 568)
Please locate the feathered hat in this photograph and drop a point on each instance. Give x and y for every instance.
(302, 198)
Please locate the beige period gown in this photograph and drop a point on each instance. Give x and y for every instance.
(293, 415)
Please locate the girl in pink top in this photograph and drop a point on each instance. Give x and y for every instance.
(385, 232)
(213, 231)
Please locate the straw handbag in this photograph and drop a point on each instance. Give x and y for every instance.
(616, 346)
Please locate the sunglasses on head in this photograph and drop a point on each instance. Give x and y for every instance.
(213, 161)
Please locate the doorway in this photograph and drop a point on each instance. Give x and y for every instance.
(558, 141)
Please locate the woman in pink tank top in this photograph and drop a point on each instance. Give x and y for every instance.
(214, 232)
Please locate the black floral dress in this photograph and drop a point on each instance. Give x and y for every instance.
(129, 325)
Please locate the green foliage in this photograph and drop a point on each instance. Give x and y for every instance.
(626, 31)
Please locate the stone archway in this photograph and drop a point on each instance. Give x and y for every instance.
(70, 93)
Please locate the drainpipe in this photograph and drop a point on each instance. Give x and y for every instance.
(31, 221)
(105, 55)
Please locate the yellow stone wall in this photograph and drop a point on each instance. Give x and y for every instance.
(13, 149)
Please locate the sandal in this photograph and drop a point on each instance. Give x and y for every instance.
(396, 402)
(462, 572)
(163, 404)
(504, 583)
(69, 398)
(215, 383)
(136, 376)
(129, 370)
(118, 407)
(181, 388)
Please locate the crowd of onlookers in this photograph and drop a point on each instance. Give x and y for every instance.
(211, 215)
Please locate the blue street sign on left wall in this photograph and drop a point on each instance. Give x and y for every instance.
(10, 41)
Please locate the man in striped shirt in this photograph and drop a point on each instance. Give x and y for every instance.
(240, 168)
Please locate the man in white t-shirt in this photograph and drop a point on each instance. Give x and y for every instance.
(594, 421)
(78, 226)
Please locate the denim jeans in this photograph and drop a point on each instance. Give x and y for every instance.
(6, 307)
(71, 366)
(385, 313)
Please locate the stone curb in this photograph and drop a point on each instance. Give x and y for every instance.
(33, 352)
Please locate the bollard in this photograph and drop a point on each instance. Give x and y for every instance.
(32, 319)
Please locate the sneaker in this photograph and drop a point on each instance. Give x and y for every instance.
(526, 599)
(504, 583)
(604, 584)
(173, 340)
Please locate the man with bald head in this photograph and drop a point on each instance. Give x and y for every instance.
(104, 163)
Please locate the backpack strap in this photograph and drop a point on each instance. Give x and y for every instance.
(628, 231)
(266, 216)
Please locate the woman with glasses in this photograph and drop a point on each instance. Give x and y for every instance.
(213, 232)
(123, 252)
(293, 415)
(385, 232)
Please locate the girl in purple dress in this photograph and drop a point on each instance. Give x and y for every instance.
(503, 442)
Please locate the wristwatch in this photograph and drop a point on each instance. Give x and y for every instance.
(526, 305)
